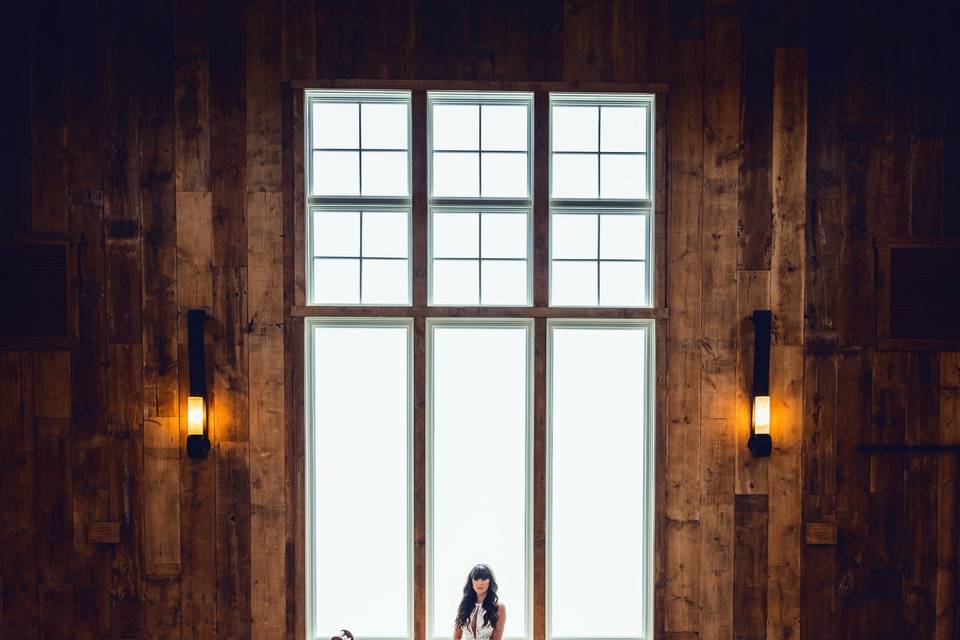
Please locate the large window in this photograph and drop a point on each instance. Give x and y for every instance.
(480, 331)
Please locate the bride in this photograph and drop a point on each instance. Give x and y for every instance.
(480, 616)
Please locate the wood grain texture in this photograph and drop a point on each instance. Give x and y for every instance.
(750, 567)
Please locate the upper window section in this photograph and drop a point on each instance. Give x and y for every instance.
(479, 145)
(600, 147)
(359, 144)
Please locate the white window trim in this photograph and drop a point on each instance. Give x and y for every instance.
(649, 328)
(486, 323)
(310, 517)
(608, 205)
(486, 208)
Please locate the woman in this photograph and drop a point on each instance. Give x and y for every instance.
(480, 616)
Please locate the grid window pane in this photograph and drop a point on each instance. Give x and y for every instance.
(456, 126)
(574, 176)
(456, 282)
(504, 127)
(504, 235)
(335, 125)
(623, 237)
(573, 284)
(359, 503)
(336, 173)
(456, 175)
(455, 235)
(597, 423)
(383, 126)
(385, 173)
(623, 129)
(574, 236)
(504, 175)
(479, 415)
(336, 233)
(503, 282)
(385, 234)
(575, 128)
(336, 281)
(623, 176)
(385, 282)
(623, 284)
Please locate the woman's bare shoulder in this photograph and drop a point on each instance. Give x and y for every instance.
(501, 608)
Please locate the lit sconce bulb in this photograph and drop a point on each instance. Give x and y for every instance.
(195, 416)
(761, 415)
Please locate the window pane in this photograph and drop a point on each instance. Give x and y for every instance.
(504, 128)
(479, 416)
(455, 235)
(456, 175)
(575, 128)
(385, 282)
(336, 281)
(456, 282)
(574, 176)
(623, 176)
(504, 175)
(503, 282)
(335, 125)
(573, 284)
(383, 126)
(336, 233)
(456, 126)
(623, 284)
(573, 235)
(336, 173)
(623, 237)
(360, 480)
(623, 129)
(385, 173)
(596, 520)
(385, 234)
(504, 235)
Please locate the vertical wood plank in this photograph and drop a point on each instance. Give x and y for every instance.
(887, 498)
(233, 540)
(684, 255)
(228, 135)
(753, 292)
(750, 567)
(718, 400)
(266, 371)
(920, 496)
(825, 93)
(299, 40)
(786, 420)
(948, 532)
(754, 187)
(789, 194)
(540, 479)
(926, 187)
(192, 95)
(120, 143)
(419, 478)
(264, 166)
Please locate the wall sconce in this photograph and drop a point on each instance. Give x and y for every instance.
(198, 444)
(760, 443)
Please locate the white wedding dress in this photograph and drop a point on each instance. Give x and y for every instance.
(478, 620)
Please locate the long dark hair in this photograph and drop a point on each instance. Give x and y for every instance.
(469, 601)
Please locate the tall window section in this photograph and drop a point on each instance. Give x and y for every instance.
(482, 384)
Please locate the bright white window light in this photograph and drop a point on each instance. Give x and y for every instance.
(479, 257)
(360, 256)
(479, 377)
(598, 520)
(359, 527)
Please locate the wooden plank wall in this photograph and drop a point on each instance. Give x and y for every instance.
(159, 135)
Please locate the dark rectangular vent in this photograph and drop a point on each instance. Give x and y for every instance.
(920, 305)
(36, 285)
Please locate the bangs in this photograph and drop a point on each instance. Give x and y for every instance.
(480, 572)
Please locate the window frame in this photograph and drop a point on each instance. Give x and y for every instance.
(419, 311)
(649, 461)
(499, 323)
(310, 522)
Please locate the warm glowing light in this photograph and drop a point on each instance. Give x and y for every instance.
(761, 415)
(195, 416)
